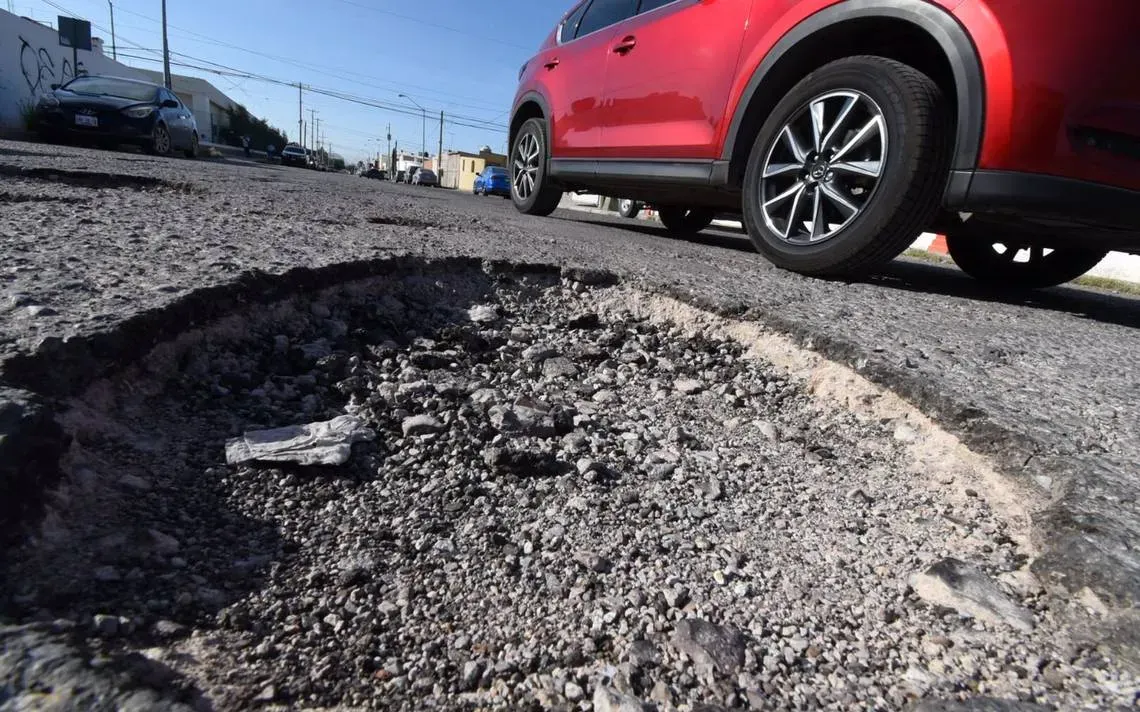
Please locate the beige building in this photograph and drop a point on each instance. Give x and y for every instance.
(459, 168)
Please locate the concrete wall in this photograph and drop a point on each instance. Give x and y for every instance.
(31, 60)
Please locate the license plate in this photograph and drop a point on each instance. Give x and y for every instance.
(81, 120)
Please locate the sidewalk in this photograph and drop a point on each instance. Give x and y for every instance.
(1117, 265)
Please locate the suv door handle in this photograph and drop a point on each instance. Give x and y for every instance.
(551, 64)
(626, 45)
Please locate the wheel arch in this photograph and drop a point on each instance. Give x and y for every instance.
(914, 32)
(531, 105)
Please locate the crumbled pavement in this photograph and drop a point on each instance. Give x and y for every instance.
(565, 506)
(95, 267)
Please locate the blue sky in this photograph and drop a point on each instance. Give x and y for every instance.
(458, 56)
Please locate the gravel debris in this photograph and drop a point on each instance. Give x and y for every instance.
(672, 524)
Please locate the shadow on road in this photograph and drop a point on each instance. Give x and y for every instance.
(926, 278)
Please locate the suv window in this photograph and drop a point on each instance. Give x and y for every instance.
(647, 5)
(570, 27)
(603, 13)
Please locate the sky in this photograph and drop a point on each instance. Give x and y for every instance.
(461, 57)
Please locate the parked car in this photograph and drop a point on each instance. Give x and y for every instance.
(376, 173)
(493, 181)
(425, 176)
(841, 129)
(112, 111)
(294, 155)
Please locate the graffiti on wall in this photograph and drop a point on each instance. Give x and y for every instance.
(39, 68)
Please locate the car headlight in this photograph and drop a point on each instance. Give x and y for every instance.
(48, 101)
(139, 112)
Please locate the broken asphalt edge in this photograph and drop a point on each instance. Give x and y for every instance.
(1079, 548)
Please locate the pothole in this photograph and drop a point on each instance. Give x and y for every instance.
(13, 198)
(401, 221)
(569, 493)
(94, 179)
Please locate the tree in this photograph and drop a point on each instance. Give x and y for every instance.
(260, 133)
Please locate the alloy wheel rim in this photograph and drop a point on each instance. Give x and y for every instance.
(525, 164)
(824, 167)
(163, 141)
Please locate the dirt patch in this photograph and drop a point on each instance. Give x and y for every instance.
(15, 198)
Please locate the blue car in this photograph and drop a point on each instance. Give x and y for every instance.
(493, 181)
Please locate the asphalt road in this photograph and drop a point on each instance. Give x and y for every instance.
(1042, 382)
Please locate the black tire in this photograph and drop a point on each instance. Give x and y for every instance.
(977, 253)
(192, 152)
(544, 195)
(629, 208)
(906, 193)
(685, 221)
(160, 141)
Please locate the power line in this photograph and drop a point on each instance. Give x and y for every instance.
(433, 24)
(322, 68)
(222, 70)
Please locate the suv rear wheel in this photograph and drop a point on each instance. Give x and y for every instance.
(1005, 259)
(532, 191)
(848, 168)
(685, 221)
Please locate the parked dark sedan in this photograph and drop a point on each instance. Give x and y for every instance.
(111, 111)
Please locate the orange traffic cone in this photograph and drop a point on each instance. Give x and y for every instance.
(939, 245)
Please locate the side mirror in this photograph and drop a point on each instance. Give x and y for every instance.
(169, 104)
(54, 87)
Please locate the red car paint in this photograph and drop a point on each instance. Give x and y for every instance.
(673, 83)
(1052, 66)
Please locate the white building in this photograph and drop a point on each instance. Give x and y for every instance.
(205, 101)
(32, 60)
(406, 160)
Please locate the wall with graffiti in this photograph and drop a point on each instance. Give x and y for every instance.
(31, 60)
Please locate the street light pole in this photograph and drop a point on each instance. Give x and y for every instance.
(114, 51)
(423, 127)
(165, 49)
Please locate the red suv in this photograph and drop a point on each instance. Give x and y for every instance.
(841, 130)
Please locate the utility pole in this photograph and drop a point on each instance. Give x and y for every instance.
(114, 51)
(301, 113)
(439, 156)
(389, 158)
(423, 125)
(165, 49)
(312, 128)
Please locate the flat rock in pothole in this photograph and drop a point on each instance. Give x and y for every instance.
(710, 645)
(421, 425)
(483, 314)
(324, 443)
(607, 699)
(952, 583)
